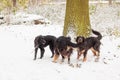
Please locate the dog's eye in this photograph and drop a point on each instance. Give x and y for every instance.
(80, 40)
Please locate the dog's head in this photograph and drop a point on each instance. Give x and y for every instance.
(39, 41)
(62, 42)
(80, 39)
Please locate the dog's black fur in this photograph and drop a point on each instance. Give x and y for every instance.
(64, 47)
(41, 42)
(92, 43)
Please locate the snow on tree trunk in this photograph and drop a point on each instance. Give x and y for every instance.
(77, 20)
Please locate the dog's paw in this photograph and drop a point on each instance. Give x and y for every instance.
(51, 57)
(78, 65)
(61, 62)
(71, 65)
(40, 58)
(96, 60)
(34, 59)
(54, 61)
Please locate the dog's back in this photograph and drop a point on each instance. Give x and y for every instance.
(50, 40)
(91, 41)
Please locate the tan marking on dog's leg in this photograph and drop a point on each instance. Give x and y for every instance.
(94, 52)
(55, 58)
(97, 58)
(80, 53)
(84, 59)
(78, 56)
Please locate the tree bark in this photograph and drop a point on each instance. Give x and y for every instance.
(77, 20)
(14, 3)
(110, 2)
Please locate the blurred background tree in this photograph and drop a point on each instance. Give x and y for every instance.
(23, 3)
(110, 2)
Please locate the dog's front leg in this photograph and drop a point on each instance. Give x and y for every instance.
(68, 60)
(36, 49)
(85, 56)
(97, 56)
(79, 54)
(63, 58)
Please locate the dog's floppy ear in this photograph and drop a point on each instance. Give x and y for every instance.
(76, 39)
(83, 39)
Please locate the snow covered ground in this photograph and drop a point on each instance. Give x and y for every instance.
(17, 52)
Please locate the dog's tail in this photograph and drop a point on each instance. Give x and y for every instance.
(97, 33)
(72, 45)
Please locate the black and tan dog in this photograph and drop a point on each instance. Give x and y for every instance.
(92, 43)
(64, 47)
(41, 42)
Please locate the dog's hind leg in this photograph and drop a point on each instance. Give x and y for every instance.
(42, 52)
(69, 60)
(56, 55)
(36, 49)
(98, 55)
(93, 51)
(96, 49)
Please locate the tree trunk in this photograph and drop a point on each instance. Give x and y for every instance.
(14, 3)
(77, 18)
(32, 2)
(110, 2)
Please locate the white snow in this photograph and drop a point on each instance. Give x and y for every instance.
(17, 52)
